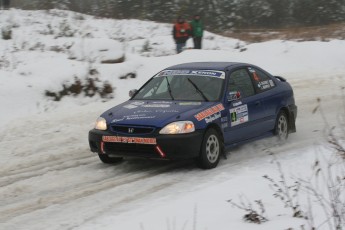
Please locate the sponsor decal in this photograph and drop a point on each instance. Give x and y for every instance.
(251, 70)
(138, 103)
(130, 106)
(271, 83)
(173, 72)
(134, 104)
(142, 111)
(264, 85)
(130, 140)
(237, 103)
(156, 106)
(224, 122)
(209, 112)
(138, 117)
(117, 120)
(166, 111)
(234, 95)
(207, 73)
(239, 115)
(162, 102)
(133, 117)
(212, 117)
(224, 119)
(189, 103)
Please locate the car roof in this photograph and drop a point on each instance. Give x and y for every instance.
(222, 66)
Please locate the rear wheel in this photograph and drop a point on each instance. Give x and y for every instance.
(281, 129)
(211, 148)
(109, 160)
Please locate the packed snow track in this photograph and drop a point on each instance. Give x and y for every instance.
(48, 175)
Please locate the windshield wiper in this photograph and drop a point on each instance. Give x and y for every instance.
(169, 89)
(198, 90)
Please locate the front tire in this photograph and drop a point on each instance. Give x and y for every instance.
(281, 129)
(109, 160)
(211, 149)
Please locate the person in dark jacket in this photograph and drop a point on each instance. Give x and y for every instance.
(181, 33)
(197, 31)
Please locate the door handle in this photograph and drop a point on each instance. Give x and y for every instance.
(258, 103)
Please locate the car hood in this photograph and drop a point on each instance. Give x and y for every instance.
(154, 113)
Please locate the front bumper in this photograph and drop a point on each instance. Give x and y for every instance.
(179, 146)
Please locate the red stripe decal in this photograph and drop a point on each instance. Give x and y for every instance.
(159, 150)
(102, 147)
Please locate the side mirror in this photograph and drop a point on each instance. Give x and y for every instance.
(233, 96)
(132, 92)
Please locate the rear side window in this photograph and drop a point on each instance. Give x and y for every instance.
(241, 81)
(262, 81)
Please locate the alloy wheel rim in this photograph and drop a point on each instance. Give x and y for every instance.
(212, 148)
(282, 127)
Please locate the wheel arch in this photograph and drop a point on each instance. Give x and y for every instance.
(216, 127)
(290, 117)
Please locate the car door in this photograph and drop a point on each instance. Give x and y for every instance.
(265, 87)
(244, 106)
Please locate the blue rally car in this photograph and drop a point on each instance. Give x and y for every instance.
(196, 110)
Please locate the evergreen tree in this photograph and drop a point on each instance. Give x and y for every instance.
(216, 14)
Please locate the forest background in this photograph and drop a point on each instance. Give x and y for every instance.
(218, 15)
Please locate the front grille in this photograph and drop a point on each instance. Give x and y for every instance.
(132, 129)
(125, 149)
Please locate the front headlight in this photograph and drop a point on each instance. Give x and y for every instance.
(178, 127)
(101, 124)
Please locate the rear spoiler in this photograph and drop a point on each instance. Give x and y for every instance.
(280, 78)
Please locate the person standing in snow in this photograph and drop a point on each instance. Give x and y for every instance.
(181, 33)
(197, 31)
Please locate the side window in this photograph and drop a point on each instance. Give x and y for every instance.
(262, 82)
(240, 81)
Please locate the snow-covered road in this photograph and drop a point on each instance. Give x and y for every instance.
(50, 180)
(49, 176)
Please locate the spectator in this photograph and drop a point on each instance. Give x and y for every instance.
(181, 33)
(197, 31)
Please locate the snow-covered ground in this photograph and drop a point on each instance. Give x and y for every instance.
(50, 180)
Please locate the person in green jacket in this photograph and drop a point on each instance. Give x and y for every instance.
(197, 31)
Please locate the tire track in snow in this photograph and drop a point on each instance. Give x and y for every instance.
(13, 210)
(10, 177)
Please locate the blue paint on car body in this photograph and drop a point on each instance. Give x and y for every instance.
(239, 101)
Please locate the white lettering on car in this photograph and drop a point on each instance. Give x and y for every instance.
(130, 140)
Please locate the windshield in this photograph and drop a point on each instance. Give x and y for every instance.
(184, 85)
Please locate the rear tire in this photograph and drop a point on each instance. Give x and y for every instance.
(281, 129)
(109, 160)
(211, 149)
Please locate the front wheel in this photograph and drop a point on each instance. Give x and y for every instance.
(109, 160)
(211, 149)
(281, 129)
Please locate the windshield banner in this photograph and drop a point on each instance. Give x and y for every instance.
(206, 73)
